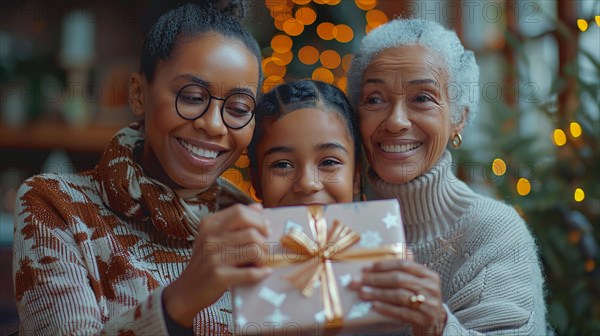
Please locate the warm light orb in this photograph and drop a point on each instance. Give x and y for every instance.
(308, 55)
(330, 59)
(343, 83)
(575, 129)
(560, 138)
(523, 186)
(376, 18)
(299, 2)
(346, 61)
(281, 43)
(323, 75)
(325, 31)
(579, 195)
(582, 24)
(270, 68)
(365, 4)
(343, 33)
(271, 82)
(293, 27)
(499, 167)
(306, 15)
(283, 58)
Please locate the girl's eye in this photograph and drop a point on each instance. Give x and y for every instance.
(330, 162)
(282, 165)
(372, 100)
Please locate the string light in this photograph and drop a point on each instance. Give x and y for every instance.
(376, 18)
(346, 60)
(559, 137)
(343, 83)
(343, 33)
(325, 31)
(306, 15)
(281, 43)
(270, 68)
(523, 186)
(499, 167)
(283, 58)
(271, 82)
(293, 27)
(300, 2)
(323, 75)
(308, 55)
(579, 195)
(365, 4)
(330, 59)
(582, 24)
(575, 129)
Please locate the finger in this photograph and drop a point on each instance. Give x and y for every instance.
(405, 314)
(247, 275)
(402, 265)
(256, 206)
(392, 280)
(399, 296)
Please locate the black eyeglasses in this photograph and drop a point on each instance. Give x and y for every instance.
(193, 101)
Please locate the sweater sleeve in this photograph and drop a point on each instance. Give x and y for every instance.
(54, 289)
(498, 289)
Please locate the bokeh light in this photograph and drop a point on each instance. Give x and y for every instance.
(270, 68)
(330, 59)
(575, 129)
(343, 33)
(323, 74)
(283, 58)
(523, 186)
(308, 55)
(299, 2)
(346, 61)
(376, 18)
(306, 15)
(365, 4)
(582, 24)
(579, 195)
(271, 82)
(281, 43)
(499, 167)
(325, 30)
(293, 27)
(343, 83)
(560, 138)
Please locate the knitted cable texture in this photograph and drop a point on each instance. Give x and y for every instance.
(482, 249)
(93, 251)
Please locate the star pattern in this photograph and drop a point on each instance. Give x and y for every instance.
(359, 310)
(390, 221)
(277, 317)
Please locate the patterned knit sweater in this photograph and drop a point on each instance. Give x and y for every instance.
(482, 249)
(94, 251)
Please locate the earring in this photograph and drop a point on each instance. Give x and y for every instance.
(457, 140)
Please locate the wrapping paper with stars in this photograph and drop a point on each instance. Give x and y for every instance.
(274, 306)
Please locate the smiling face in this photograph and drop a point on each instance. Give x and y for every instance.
(192, 154)
(404, 112)
(306, 157)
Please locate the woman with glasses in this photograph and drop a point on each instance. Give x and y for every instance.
(143, 244)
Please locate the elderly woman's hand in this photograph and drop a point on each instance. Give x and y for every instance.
(404, 290)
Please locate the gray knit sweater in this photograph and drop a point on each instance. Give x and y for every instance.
(482, 249)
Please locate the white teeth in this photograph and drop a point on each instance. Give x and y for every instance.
(400, 148)
(206, 153)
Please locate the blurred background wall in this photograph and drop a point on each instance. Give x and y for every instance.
(64, 68)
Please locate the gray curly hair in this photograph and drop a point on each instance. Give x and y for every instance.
(463, 82)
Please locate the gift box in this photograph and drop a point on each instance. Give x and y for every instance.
(315, 252)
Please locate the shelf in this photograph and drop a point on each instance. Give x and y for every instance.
(52, 135)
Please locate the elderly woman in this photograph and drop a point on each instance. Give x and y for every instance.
(477, 268)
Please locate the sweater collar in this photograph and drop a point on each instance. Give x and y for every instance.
(127, 190)
(431, 203)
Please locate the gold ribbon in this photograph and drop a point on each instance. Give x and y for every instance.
(325, 248)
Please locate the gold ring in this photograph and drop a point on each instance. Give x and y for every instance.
(417, 300)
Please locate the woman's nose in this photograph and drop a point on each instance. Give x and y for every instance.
(398, 119)
(212, 121)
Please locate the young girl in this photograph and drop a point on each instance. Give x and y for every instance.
(134, 246)
(305, 147)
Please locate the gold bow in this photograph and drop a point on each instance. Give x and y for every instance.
(325, 248)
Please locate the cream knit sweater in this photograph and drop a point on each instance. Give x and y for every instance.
(94, 251)
(482, 249)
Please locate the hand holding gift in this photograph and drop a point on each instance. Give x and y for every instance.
(316, 253)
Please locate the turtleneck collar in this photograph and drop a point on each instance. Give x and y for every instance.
(128, 191)
(430, 203)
